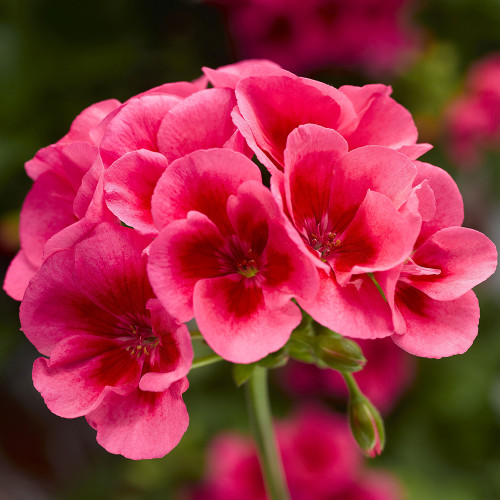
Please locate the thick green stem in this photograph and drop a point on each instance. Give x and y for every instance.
(259, 411)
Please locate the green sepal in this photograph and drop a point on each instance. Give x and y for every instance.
(275, 359)
(241, 373)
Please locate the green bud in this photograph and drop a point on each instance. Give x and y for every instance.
(339, 353)
(301, 347)
(366, 425)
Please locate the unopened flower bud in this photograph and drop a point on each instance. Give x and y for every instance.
(339, 353)
(366, 425)
(301, 348)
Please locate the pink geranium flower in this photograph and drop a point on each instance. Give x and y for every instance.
(435, 313)
(115, 355)
(320, 458)
(270, 107)
(224, 255)
(345, 206)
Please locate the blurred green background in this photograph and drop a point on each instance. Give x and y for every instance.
(56, 58)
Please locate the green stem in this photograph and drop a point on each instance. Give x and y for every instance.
(205, 360)
(352, 385)
(259, 411)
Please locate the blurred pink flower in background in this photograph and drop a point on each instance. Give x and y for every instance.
(303, 36)
(474, 117)
(389, 371)
(321, 461)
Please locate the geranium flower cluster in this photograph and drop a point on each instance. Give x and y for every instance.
(353, 229)
(320, 458)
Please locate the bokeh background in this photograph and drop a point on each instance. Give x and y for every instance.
(57, 57)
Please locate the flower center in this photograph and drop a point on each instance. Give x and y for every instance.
(143, 341)
(324, 244)
(248, 268)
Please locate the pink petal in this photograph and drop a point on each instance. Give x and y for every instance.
(179, 89)
(362, 97)
(87, 188)
(274, 106)
(436, 328)
(449, 204)
(388, 281)
(415, 151)
(355, 310)
(465, 258)
(311, 157)
(228, 76)
(184, 252)
(173, 356)
(426, 200)
(129, 184)
(234, 320)
(18, 275)
(237, 143)
(201, 181)
(69, 161)
(111, 271)
(135, 126)
(377, 168)
(74, 381)
(201, 121)
(246, 132)
(47, 209)
(68, 237)
(378, 238)
(88, 119)
(386, 123)
(143, 424)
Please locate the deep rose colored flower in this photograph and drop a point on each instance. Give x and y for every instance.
(345, 206)
(473, 118)
(435, 313)
(387, 374)
(320, 457)
(225, 257)
(272, 105)
(305, 36)
(116, 356)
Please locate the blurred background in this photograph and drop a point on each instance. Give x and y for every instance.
(442, 58)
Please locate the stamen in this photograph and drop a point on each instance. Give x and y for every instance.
(248, 268)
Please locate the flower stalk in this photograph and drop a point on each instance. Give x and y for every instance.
(260, 416)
